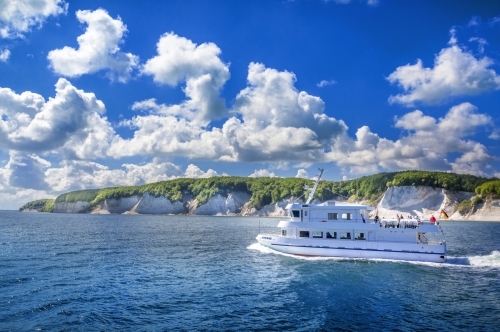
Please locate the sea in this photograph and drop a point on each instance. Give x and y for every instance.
(82, 272)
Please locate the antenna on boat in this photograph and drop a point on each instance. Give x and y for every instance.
(313, 189)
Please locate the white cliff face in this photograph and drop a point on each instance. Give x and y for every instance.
(487, 211)
(65, 207)
(220, 205)
(422, 201)
(149, 204)
(118, 206)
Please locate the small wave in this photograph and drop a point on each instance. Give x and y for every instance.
(491, 260)
(265, 250)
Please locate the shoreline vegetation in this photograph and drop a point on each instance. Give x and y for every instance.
(266, 191)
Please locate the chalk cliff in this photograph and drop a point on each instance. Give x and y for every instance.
(407, 200)
(65, 207)
(426, 201)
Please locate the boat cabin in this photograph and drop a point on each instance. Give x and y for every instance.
(328, 211)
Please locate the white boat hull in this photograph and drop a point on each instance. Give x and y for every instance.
(355, 249)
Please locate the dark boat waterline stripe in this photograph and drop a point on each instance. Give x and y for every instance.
(382, 250)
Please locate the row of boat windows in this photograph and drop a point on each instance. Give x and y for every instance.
(331, 216)
(329, 235)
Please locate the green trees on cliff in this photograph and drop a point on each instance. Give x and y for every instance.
(42, 205)
(489, 188)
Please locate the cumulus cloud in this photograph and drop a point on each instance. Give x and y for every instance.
(17, 17)
(302, 173)
(79, 174)
(98, 49)
(262, 173)
(72, 120)
(26, 171)
(271, 121)
(4, 55)
(157, 135)
(456, 72)
(179, 59)
(279, 122)
(194, 171)
(426, 145)
(22, 180)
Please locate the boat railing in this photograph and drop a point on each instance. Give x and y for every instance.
(385, 223)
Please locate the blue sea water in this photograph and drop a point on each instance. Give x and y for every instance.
(64, 272)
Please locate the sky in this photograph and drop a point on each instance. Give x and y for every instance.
(103, 93)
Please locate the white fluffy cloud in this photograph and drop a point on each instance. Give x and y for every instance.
(72, 120)
(18, 16)
(302, 173)
(157, 135)
(456, 72)
(426, 145)
(262, 173)
(272, 122)
(179, 59)
(75, 175)
(22, 180)
(98, 49)
(278, 121)
(193, 171)
(26, 171)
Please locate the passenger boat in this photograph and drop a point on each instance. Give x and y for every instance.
(339, 229)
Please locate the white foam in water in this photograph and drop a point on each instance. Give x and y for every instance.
(492, 260)
(266, 250)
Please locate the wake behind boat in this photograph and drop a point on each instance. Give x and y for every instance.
(339, 229)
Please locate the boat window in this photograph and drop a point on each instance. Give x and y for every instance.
(331, 235)
(304, 234)
(317, 235)
(296, 213)
(347, 216)
(359, 236)
(333, 216)
(283, 232)
(345, 235)
(305, 213)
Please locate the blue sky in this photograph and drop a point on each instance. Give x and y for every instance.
(106, 93)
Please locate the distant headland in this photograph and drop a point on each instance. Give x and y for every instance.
(422, 193)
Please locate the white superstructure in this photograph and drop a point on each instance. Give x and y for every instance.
(341, 229)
